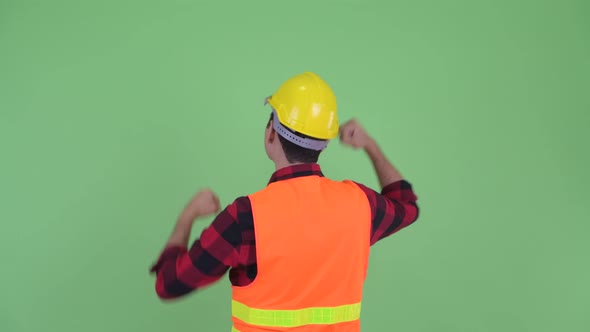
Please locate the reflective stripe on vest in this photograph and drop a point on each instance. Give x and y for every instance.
(299, 317)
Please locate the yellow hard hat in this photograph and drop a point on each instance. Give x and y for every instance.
(306, 104)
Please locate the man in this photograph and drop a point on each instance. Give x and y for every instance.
(297, 250)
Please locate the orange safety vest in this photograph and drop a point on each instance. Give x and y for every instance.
(312, 246)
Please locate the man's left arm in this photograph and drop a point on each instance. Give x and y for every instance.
(393, 209)
(180, 271)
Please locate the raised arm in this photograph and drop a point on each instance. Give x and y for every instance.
(181, 270)
(394, 208)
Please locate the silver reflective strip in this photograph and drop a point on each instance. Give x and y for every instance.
(308, 143)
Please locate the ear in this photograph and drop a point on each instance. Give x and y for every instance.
(272, 134)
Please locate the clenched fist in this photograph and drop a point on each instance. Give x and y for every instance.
(354, 135)
(204, 203)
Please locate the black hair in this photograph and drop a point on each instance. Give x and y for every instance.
(294, 152)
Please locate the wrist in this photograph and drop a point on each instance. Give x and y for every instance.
(371, 147)
(186, 220)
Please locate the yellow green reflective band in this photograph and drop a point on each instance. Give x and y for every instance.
(299, 317)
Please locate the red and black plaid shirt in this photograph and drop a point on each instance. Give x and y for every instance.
(229, 243)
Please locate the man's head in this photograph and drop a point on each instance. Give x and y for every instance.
(302, 121)
(291, 152)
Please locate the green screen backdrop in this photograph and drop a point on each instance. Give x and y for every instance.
(113, 113)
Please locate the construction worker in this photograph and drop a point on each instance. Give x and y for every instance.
(297, 250)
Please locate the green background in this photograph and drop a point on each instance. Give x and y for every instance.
(113, 113)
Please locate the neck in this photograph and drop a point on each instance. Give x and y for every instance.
(284, 163)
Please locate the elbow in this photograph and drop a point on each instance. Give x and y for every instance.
(414, 212)
(170, 290)
(411, 213)
(161, 290)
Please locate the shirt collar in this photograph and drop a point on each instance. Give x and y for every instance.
(295, 171)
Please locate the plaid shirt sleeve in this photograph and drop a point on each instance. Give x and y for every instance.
(229, 242)
(181, 271)
(392, 210)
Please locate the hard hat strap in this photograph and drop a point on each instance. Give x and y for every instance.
(304, 142)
